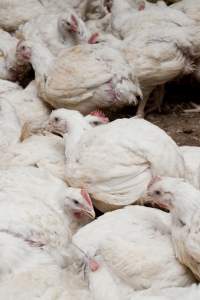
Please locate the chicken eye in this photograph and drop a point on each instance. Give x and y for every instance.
(23, 48)
(56, 119)
(158, 193)
(96, 123)
(75, 202)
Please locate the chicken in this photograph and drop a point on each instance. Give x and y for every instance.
(122, 163)
(11, 67)
(46, 281)
(126, 14)
(41, 212)
(28, 106)
(183, 201)
(14, 13)
(120, 240)
(56, 31)
(42, 151)
(157, 56)
(107, 81)
(51, 153)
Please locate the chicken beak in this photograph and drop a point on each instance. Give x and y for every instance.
(89, 213)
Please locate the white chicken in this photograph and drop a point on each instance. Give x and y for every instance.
(161, 45)
(124, 155)
(120, 240)
(44, 280)
(56, 31)
(183, 200)
(126, 14)
(106, 82)
(42, 150)
(28, 106)
(39, 210)
(157, 42)
(11, 67)
(14, 13)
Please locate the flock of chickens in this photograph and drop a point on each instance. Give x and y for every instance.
(61, 63)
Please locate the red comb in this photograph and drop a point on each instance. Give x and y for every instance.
(74, 24)
(94, 265)
(101, 115)
(86, 196)
(141, 6)
(93, 38)
(74, 19)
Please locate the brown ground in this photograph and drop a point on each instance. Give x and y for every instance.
(184, 128)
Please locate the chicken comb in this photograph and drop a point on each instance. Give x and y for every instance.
(74, 20)
(86, 196)
(101, 115)
(141, 5)
(93, 38)
(153, 180)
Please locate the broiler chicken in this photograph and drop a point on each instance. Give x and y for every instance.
(42, 150)
(125, 154)
(13, 13)
(56, 31)
(29, 107)
(183, 201)
(129, 15)
(118, 241)
(11, 67)
(161, 45)
(44, 280)
(39, 210)
(102, 79)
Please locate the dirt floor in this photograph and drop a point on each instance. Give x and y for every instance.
(183, 127)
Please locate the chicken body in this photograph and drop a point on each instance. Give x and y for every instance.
(182, 199)
(120, 171)
(120, 240)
